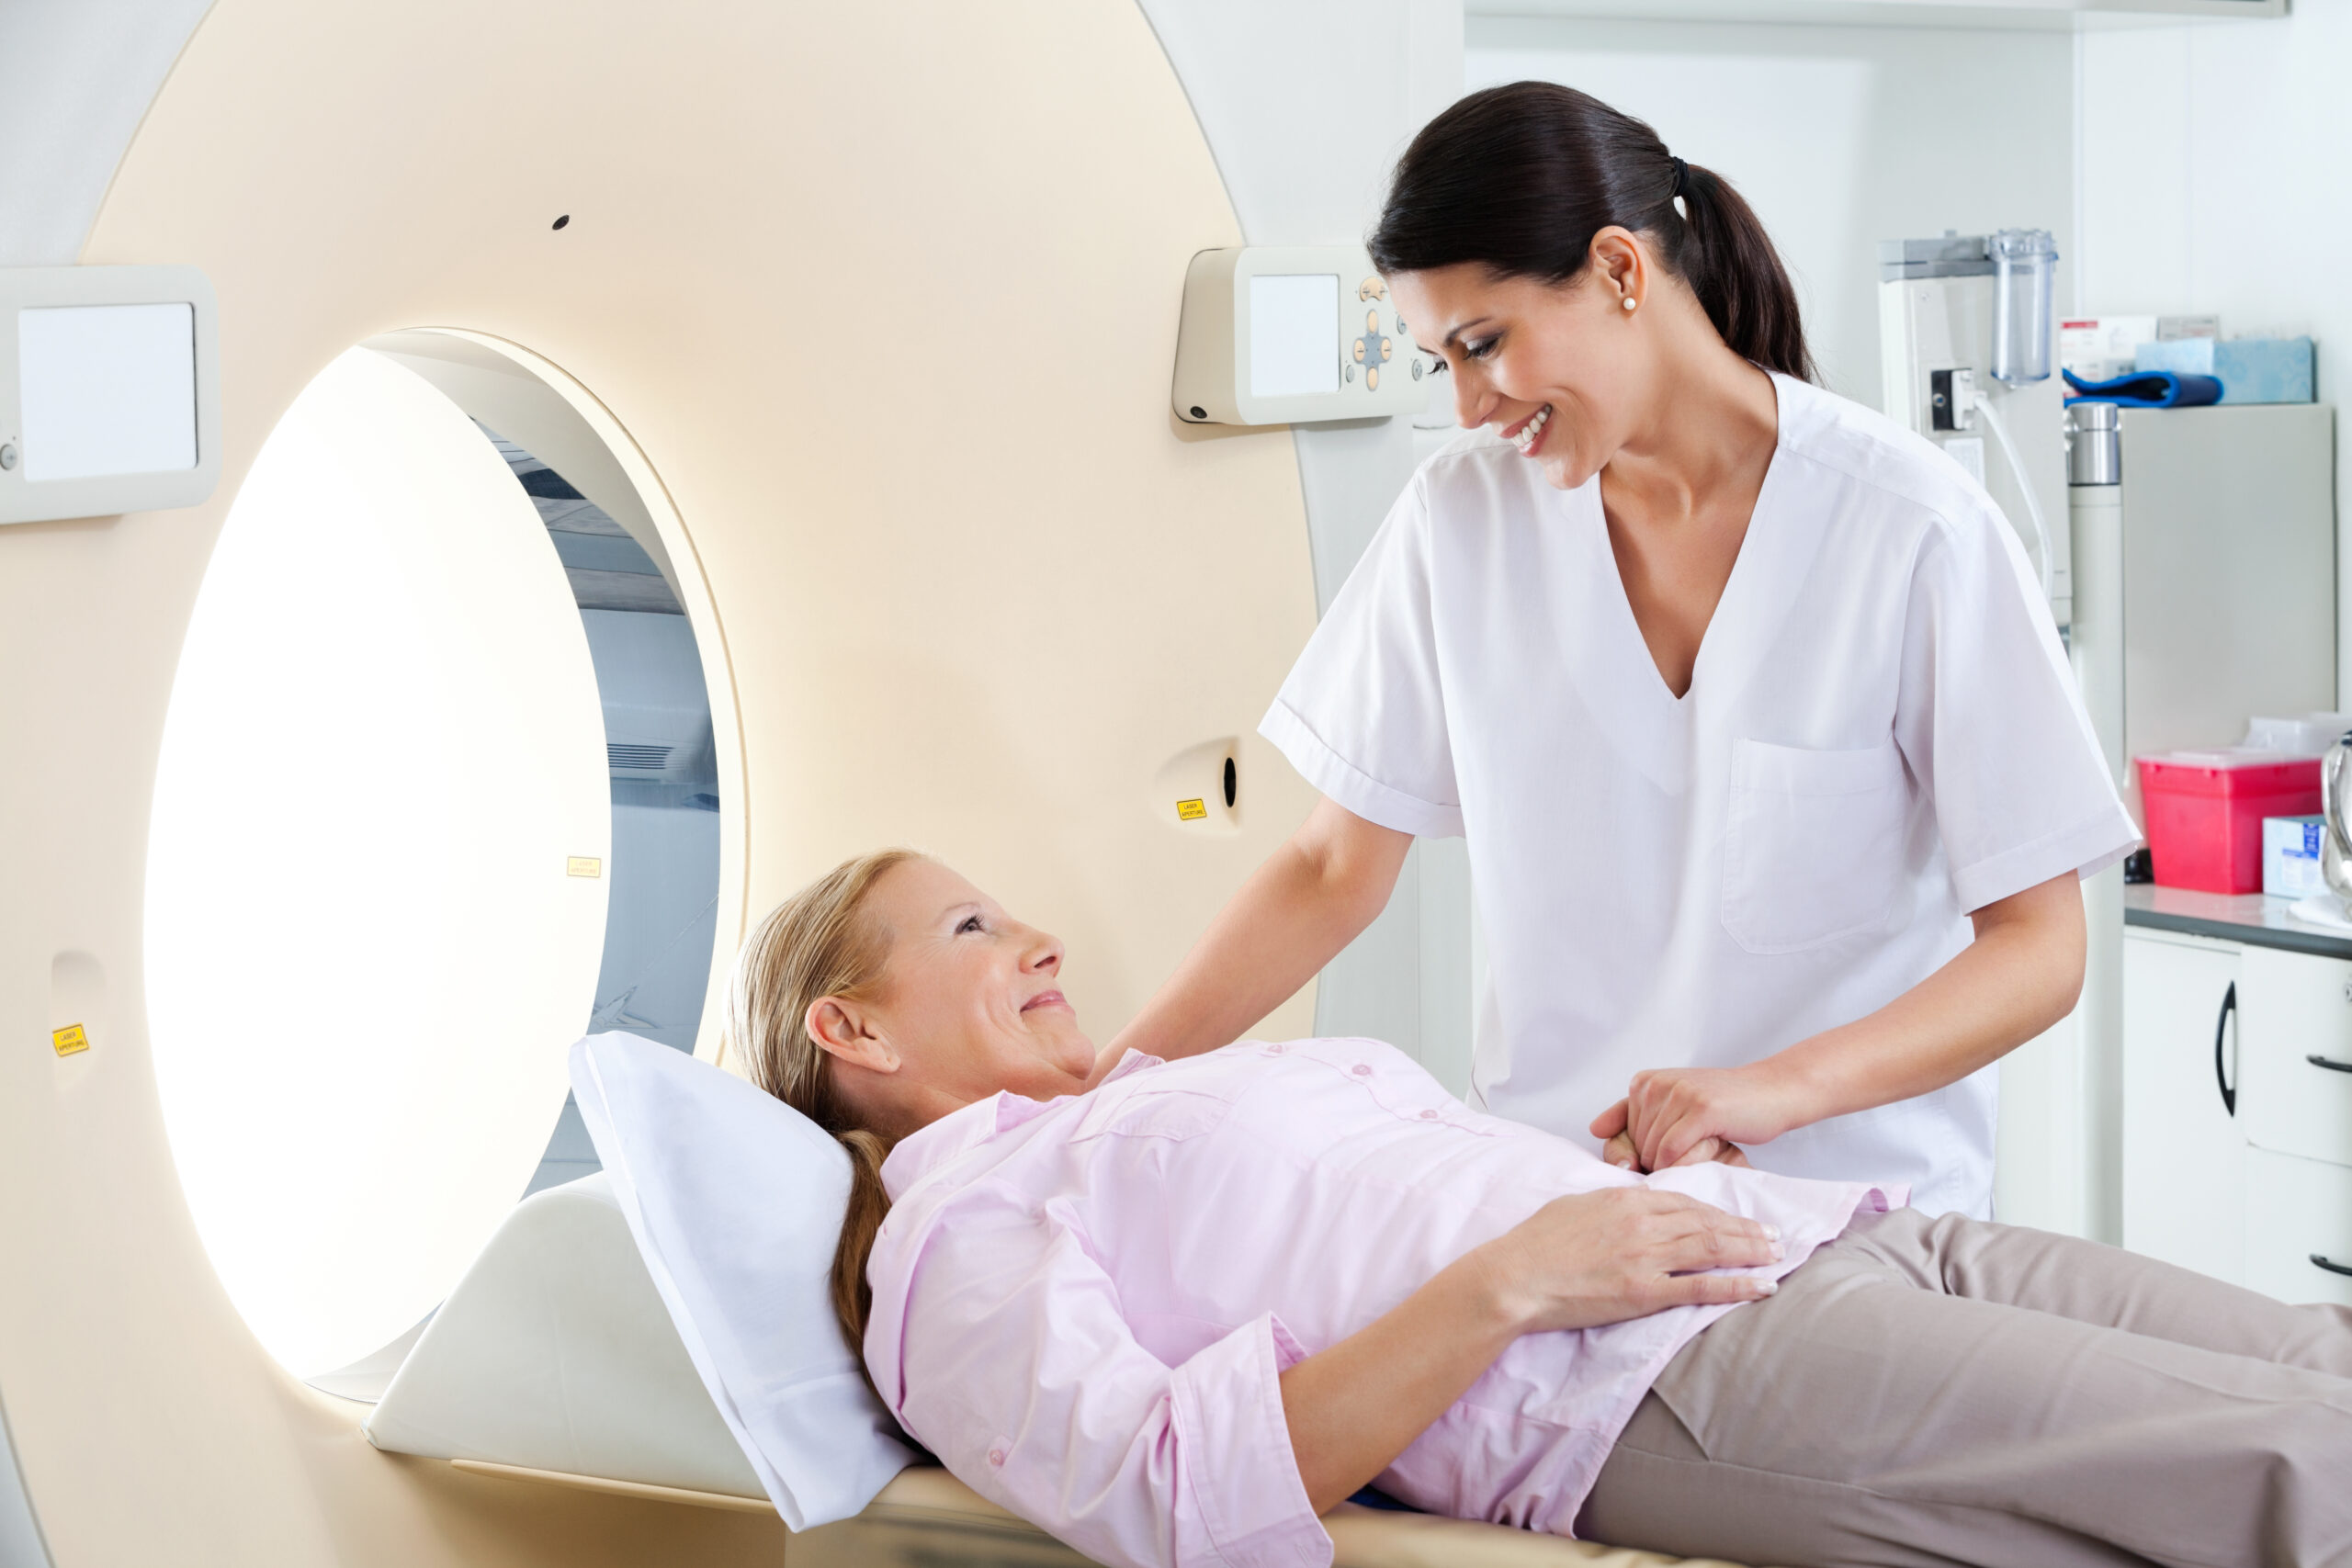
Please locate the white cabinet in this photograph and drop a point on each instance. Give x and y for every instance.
(2184, 1156)
(2299, 1228)
(2237, 1112)
(2299, 1056)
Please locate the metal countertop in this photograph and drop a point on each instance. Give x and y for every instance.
(2255, 919)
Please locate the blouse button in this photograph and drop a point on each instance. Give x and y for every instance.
(1429, 1115)
(1361, 1070)
(996, 1456)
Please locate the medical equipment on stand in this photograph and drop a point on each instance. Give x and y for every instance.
(1967, 333)
(2204, 545)
(2205, 557)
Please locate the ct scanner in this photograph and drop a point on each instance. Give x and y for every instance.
(862, 318)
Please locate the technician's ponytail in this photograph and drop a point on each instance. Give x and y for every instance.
(1729, 262)
(1520, 178)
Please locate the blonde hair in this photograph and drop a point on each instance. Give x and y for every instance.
(818, 943)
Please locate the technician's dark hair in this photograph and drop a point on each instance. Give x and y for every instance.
(1520, 179)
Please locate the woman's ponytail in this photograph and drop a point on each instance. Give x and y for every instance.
(869, 1205)
(1731, 264)
(1519, 179)
(818, 944)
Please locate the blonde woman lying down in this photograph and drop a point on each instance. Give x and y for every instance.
(1172, 1312)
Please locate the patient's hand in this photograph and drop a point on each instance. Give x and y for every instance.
(1575, 1263)
(1621, 1253)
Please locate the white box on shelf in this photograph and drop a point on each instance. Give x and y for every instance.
(2099, 348)
(2290, 856)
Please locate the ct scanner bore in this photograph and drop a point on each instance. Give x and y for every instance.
(383, 733)
(882, 299)
(384, 730)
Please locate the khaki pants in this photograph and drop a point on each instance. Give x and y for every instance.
(1941, 1391)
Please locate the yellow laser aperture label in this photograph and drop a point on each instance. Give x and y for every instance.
(71, 1040)
(1190, 810)
(584, 865)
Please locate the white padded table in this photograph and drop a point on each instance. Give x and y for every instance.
(555, 1362)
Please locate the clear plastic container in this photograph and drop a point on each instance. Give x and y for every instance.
(2306, 735)
(2025, 283)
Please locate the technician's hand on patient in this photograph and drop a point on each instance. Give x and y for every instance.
(1577, 1262)
(1686, 1115)
(2019, 976)
(1621, 1151)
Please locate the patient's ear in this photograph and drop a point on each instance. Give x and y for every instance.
(843, 1029)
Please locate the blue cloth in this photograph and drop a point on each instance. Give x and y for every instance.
(2147, 389)
(2251, 369)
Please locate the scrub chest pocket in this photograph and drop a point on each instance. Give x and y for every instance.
(1813, 846)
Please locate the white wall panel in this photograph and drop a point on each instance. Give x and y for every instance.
(75, 76)
(1839, 136)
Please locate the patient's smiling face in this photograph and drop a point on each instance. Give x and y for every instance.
(969, 1003)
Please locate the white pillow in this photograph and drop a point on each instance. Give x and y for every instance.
(736, 1199)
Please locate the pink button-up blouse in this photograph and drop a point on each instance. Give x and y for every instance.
(1083, 1306)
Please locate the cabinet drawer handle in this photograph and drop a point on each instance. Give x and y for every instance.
(2332, 1268)
(2221, 1033)
(2316, 1060)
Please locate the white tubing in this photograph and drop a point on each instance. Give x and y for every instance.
(2025, 485)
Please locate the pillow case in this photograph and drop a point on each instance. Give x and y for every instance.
(736, 1201)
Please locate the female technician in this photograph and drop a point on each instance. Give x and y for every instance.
(1776, 783)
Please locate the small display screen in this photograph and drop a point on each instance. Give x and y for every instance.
(106, 390)
(1293, 335)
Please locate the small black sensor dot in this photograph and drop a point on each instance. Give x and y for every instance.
(562, 220)
(1199, 413)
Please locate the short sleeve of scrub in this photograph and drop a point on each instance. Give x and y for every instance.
(1989, 722)
(1363, 715)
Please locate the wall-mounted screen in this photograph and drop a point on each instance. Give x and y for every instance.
(107, 390)
(1293, 335)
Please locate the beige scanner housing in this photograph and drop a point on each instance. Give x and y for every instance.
(858, 299)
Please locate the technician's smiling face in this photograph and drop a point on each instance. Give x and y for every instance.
(1556, 368)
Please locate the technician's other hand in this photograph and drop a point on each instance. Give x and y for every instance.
(1671, 1112)
(1622, 1253)
(1619, 1151)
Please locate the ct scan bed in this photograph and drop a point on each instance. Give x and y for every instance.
(555, 1362)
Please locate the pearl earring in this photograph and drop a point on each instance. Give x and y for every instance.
(1629, 302)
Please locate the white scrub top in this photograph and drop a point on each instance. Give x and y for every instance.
(1881, 734)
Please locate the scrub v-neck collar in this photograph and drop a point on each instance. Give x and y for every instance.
(1619, 676)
